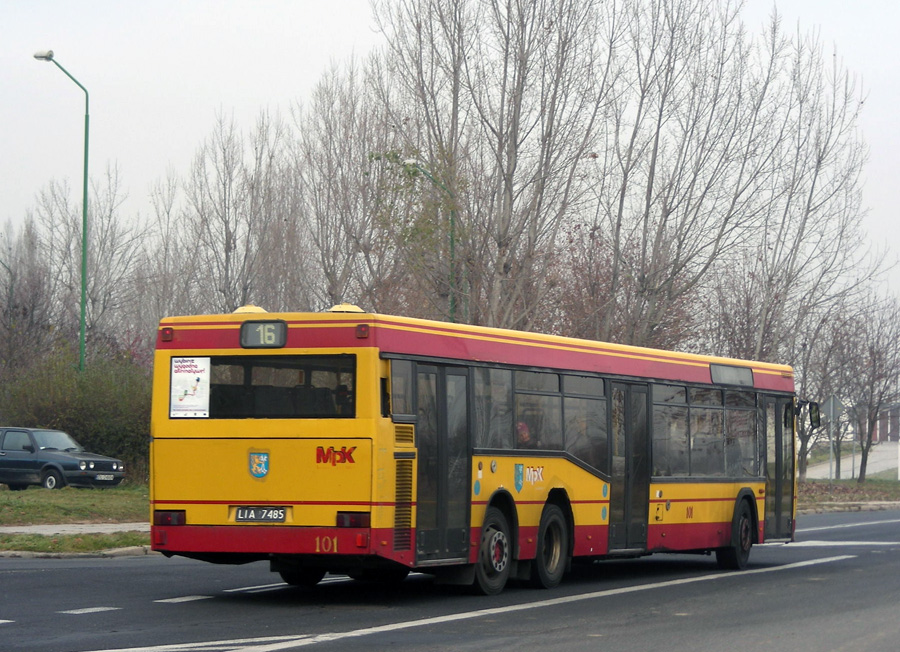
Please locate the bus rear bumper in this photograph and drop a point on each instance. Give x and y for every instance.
(265, 540)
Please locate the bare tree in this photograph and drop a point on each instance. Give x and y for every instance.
(114, 243)
(808, 253)
(342, 189)
(498, 102)
(229, 196)
(26, 320)
(870, 359)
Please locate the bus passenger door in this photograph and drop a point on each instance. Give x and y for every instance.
(442, 438)
(779, 467)
(630, 452)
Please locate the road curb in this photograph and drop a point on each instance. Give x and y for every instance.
(823, 508)
(130, 551)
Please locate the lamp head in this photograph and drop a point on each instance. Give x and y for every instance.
(44, 55)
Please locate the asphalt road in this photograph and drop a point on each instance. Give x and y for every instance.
(837, 588)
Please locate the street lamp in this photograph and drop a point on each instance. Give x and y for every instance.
(413, 163)
(48, 56)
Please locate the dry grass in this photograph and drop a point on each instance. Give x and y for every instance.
(816, 492)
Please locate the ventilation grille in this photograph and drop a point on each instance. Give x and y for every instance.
(403, 505)
(405, 433)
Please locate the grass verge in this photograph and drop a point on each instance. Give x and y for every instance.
(72, 543)
(37, 506)
(814, 493)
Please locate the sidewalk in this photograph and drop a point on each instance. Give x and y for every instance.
(75, 528)
(882, 457)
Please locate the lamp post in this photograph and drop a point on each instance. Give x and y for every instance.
(48, 56)
(413, 163)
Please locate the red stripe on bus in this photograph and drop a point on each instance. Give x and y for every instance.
(482, 345)
(279, 502)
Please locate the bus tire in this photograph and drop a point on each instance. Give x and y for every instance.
(306, 577)
(552, 549)
(736, 555)
(494, 554)
(379, 575)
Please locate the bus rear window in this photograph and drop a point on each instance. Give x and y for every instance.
(265, 387)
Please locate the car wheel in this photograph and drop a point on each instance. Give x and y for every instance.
(52, 480)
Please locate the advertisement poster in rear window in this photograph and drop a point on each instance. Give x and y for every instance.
(190, 388)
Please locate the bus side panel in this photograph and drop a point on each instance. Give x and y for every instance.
(694, 516)
(529, 482)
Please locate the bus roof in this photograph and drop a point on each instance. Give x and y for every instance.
(396, 336)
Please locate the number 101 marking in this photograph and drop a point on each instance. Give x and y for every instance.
(326, 544)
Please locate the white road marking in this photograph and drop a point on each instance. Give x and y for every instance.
(255, 588)
(213, 646)
(277, 644)
(184, 598)
(840, 544)
(89, 610)
(6, 622)
(846, 525)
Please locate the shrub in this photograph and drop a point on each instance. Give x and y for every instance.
(106, 407)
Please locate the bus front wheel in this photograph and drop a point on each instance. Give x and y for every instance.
(494, 554)
(736, 555)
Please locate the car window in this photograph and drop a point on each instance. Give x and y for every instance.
(16, 440)
(47, 439)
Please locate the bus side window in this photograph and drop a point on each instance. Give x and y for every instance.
(401, 401)
(385, 398)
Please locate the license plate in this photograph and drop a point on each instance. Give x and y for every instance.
(259, 514)
(104, 476)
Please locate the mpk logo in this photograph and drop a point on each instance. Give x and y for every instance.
(333, 456)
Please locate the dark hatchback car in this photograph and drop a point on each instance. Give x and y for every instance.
(52, 459)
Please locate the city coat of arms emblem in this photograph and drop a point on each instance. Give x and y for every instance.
(259, 464)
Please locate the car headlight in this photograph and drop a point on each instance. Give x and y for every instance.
(91, 465)
(82, 465)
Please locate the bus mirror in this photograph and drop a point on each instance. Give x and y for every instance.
(815, 418)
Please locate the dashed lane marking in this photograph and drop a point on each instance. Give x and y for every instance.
(278, 644)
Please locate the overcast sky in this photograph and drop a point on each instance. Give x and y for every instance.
(159, 71)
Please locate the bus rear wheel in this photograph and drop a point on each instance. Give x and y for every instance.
(552, 549)
(379, 575)
(494, 554)
(307, 577)
(736, 555)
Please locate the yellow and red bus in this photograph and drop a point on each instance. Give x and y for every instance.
(375, 445)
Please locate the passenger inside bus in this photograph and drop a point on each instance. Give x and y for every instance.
(523, 436)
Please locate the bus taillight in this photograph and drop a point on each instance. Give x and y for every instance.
(354, 519)
(172, 517)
